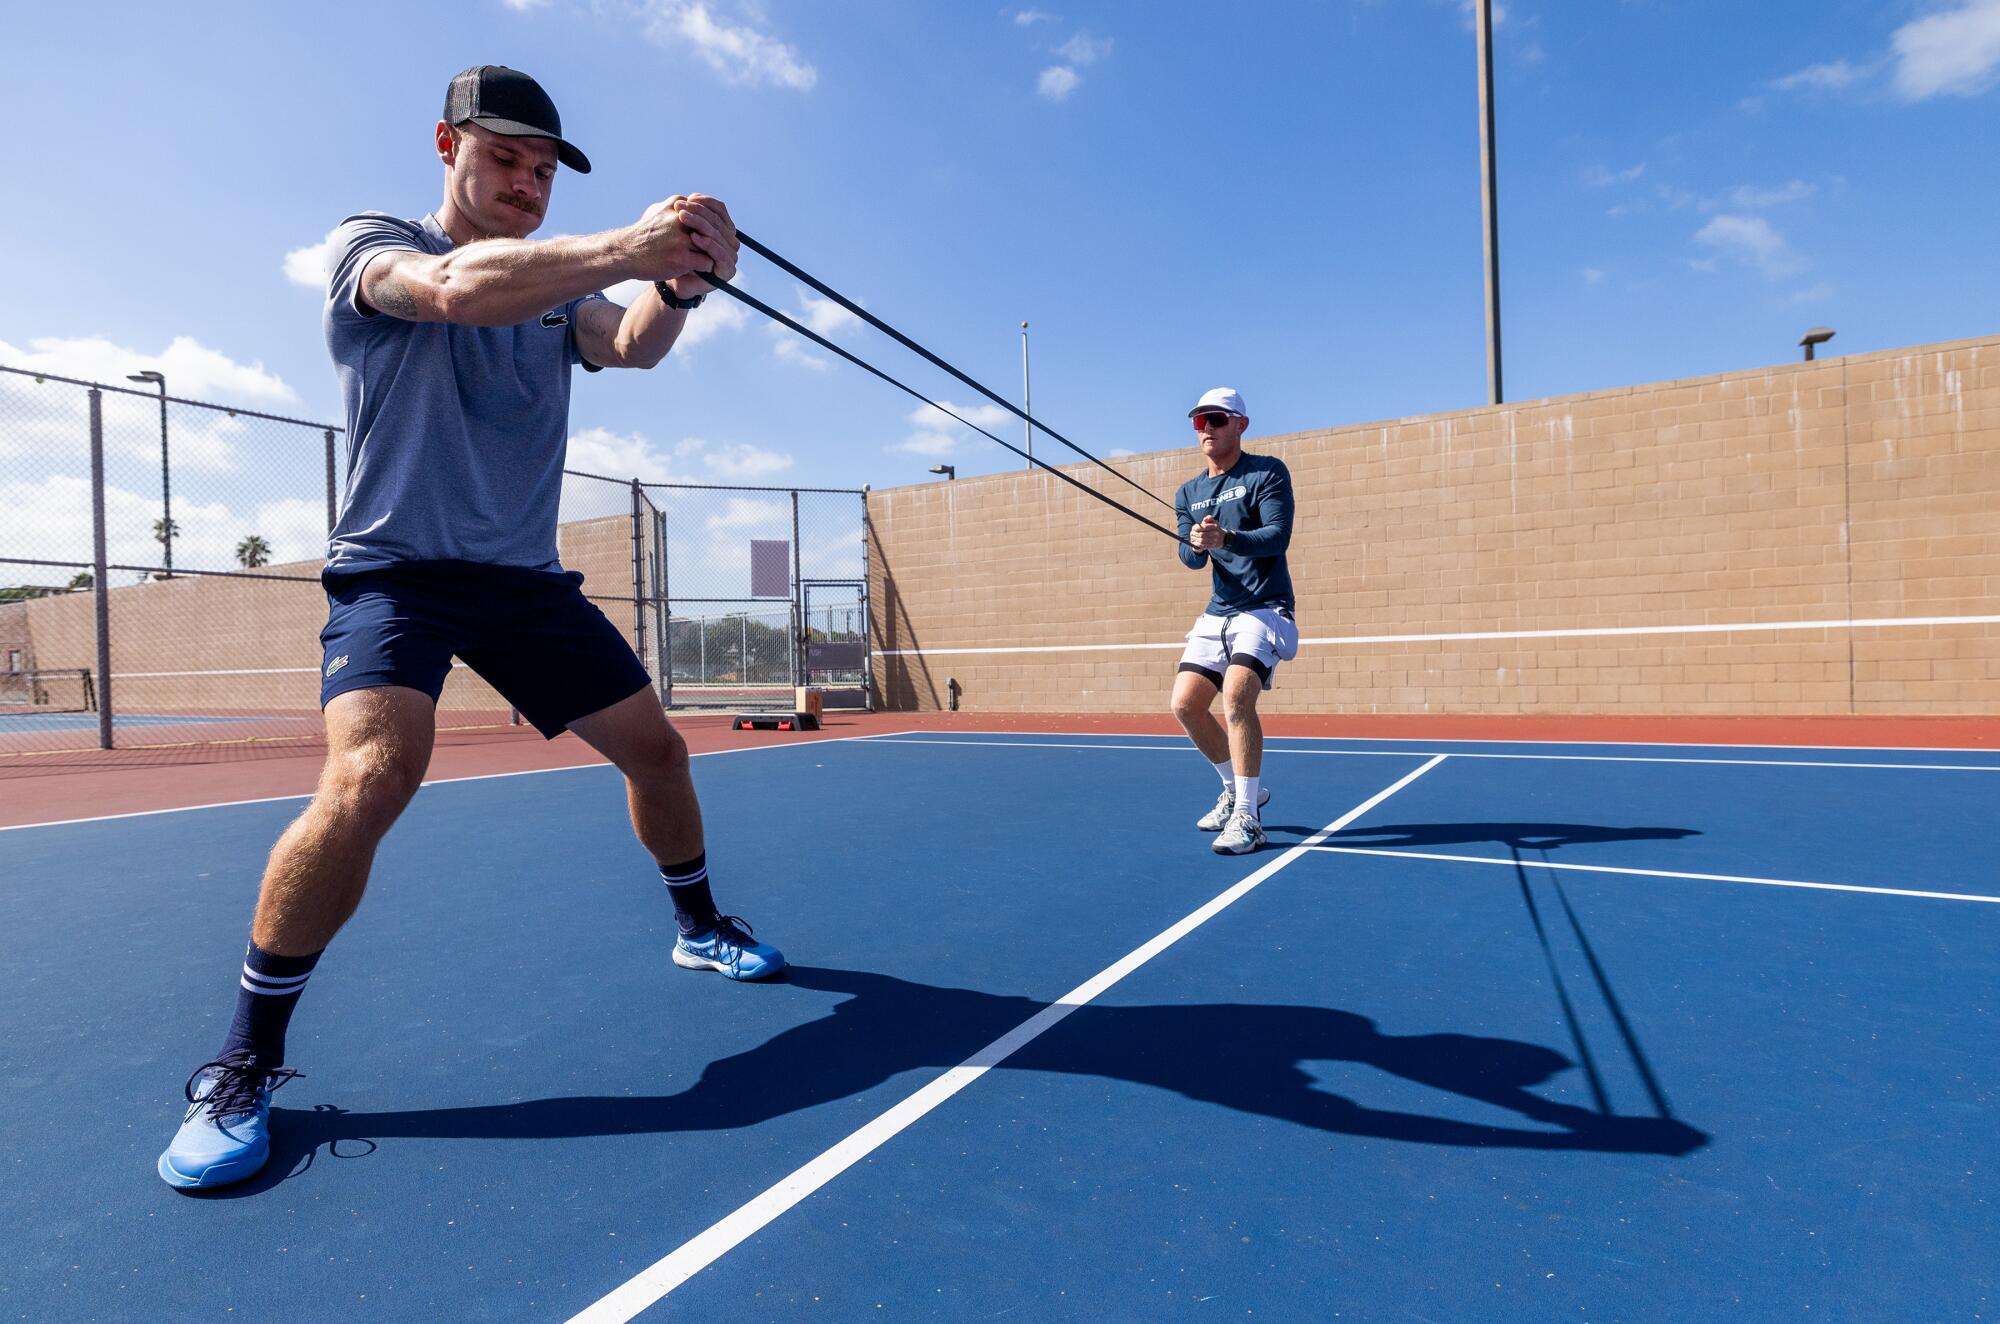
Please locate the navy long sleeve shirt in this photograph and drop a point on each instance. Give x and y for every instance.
(1253, 501)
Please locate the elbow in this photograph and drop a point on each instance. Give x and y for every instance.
(629, 353)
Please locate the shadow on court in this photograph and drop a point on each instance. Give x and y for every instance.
(1519, 836)
(1245, 1057)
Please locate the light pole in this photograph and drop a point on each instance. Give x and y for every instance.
(1026, 406)
(1489, 197)
(159, 379)
(949, 471)
(1814, 338)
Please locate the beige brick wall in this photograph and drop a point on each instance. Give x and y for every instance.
(1847, 489)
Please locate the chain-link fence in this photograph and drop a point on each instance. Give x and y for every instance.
(159, 578)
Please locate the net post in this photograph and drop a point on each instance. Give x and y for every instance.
(99, 570)
(332, 505)
(867, 614)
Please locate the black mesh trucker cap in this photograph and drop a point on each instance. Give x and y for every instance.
(509, 102)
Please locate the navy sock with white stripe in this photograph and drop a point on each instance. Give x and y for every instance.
(266, 995)
(687, 884)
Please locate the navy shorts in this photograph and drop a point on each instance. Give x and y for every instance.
(530, 634)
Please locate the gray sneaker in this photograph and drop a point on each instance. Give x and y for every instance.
(1243, 835)
(1225, 804)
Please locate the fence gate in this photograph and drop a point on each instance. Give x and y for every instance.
(760, 590)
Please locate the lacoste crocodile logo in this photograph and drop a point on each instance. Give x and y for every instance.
(555, 319)
(336, 664)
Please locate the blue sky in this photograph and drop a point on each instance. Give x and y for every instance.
(1281, 197)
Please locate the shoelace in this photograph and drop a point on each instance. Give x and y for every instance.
(239, 1080)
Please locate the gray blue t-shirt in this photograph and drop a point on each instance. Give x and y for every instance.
(1253, 501)
(456, 434)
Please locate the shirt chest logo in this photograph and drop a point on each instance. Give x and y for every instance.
(1236, 493)
(554, 318)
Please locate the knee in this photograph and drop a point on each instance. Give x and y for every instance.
(370, 783)
(664, 758)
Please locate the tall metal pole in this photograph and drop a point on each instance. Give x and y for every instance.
(99, 570)
(1489, 197)
(1027, 400)
(638, 569)
(798, 620)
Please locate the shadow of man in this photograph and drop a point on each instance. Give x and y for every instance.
(1242, 1056)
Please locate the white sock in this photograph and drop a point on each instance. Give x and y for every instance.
(1226, 772)
(1246, 796)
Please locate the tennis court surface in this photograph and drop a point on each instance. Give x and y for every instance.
(1491, 1031)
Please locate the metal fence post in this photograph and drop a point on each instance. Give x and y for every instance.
(638, 571)
(663, 616)
(99, 569)
(867, 615)
(332, 505)
(798, 644)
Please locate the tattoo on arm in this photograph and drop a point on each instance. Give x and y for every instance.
(382, 290)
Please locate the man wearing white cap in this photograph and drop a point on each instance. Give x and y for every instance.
(1236, 519)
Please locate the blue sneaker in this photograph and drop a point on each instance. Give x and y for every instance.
(730, 949)
(226, 1135)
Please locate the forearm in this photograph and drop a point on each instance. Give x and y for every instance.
(1192, 557)
(499, 282)
(1270, 540)
(646, 332)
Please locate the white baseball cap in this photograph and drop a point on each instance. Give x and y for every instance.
(1223, 398)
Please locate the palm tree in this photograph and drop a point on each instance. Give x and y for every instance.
(82, 579)
(161, 532)
(253, 551)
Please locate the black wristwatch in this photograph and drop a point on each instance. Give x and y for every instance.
(1228, 536)
(672, 300)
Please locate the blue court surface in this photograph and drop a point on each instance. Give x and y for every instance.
(1489, 1032)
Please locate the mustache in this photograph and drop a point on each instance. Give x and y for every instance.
(521, 204)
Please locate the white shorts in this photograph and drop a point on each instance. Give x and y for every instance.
(1259, 639)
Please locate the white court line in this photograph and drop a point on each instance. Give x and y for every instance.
(438, 781)
(1658, 873)
(1420, 753)
(1477, 740)
(647, 1287)
(1461, 636)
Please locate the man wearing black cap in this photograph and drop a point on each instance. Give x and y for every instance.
(453, 339)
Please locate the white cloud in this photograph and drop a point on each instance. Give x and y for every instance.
(1830, 77)
(1120, 452)
(933, 445)
(1751, 241)
(1057, 82)
(52, 516)
(1084, 48)
(523, 6)
(743, 463)
(620, 455)
(1027, 18)
(1952, 53)
(824, 315)
(1819, 293)
(1753, 197)
(738, 52)
(988, 416)
(787, 348)
(1592, 275)
(1598, 177)
(307, 266)
(51, 421)
(751, 513)
(938, 436)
